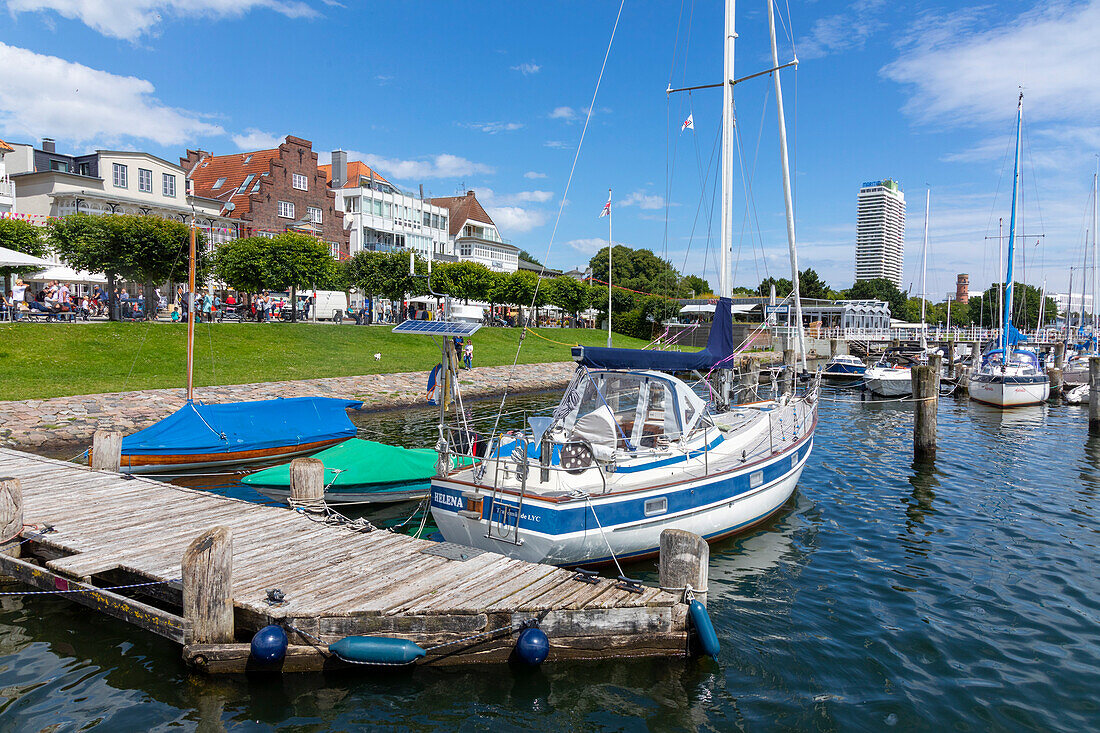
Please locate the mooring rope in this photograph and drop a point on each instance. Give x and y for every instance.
(87, 589)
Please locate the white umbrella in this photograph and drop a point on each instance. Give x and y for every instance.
(67, 275)
(11, 258)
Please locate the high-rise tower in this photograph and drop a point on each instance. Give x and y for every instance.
(880, 231)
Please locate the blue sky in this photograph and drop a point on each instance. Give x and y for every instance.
(493, 96)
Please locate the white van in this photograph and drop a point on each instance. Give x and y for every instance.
(328, 305)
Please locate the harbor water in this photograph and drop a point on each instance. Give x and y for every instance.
(960, 594)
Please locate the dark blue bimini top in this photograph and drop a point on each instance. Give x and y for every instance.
(244, 426)
(719, 347)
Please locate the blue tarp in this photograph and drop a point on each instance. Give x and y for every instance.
(1014, 337)
(719, 347)
(244, 426)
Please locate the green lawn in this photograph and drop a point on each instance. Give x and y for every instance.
(40, 360)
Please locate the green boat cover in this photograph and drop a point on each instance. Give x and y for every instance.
(357, 462)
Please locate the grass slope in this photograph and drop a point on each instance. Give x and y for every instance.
(38, 361)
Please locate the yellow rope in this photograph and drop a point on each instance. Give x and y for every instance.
(559, 343)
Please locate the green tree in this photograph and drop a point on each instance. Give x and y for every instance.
(292, 260)
(568, 294)
(21, 236)
(880, 288)
(239, 264)
(142, 249)
(783, 287)
(1025, 306)
(465, 280)
(636, 269)
(525, 255)
(693, 286)
(810, 285)
(363, 272)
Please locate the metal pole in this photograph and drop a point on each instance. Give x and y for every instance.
(191, 318)
(726, 248)
(608, 268)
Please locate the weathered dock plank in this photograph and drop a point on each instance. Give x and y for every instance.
(336, 581)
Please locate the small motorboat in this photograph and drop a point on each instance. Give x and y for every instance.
(891, 375)
(359, 471)
(843, 367)
(1079, 395)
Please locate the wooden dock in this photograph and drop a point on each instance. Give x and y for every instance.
(104, 530)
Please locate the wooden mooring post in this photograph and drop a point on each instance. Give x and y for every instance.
(106, 451)
(207, 573)
(1055, 376)
(951, 358)
(685, 560)
(307, 482)
(11, 514)
(1060, 354)
(788, 371)
(1094, 394)
(926, 390)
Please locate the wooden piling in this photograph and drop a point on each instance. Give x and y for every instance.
(834, 347)
(684, 561)
(926, 394)
(1094, 394)
(1060, 354)
(11, 508)
(207, 573)
(788, 372)
(1055, 376)
(307, 481)
(951, 358)
(106, 451)
(975, 356)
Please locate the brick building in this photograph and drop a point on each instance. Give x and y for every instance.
(272, 191)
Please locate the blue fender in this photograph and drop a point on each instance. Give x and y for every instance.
(269, 645)
(376, 650)
(704, 629)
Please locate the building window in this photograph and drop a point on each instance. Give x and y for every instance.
(119, 175)
(314, 214)
(286, 209)
(218, 184)
(351, 204)
(169, 185)
(265, 235)
(244, 184)
(300, 182)
(59, 165)
(145, 180)
(334, 249)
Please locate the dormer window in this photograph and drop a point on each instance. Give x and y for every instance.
(248, 158)
(218, 184)
(244, 185)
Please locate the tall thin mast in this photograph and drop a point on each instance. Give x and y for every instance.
(1007, 317)
(1084, 283)
(191, 318)
(924, 269)
(609, 268)
(1000, 263)
(788, 201)
(1095, 269)
(725, 288)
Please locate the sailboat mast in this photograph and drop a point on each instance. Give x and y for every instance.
(924, 269)
(726, 289)
(191, 318)
(1095, 269)
(788, 201)
(1000, 264)
(1007, 316)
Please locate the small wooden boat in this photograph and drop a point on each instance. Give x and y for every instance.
(235, 433)
(360, 472)
(843, 367)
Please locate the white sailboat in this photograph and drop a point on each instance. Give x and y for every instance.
(1010, 375)
(1076, 371)
(631, 449)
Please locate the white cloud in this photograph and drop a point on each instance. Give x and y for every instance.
(963, 69)
(46, 95)
(516, 218)
(437, 166)
(527, 69)
(490, 197)
(558, 145)
(132, 19)
(253, 139)
(494, 127)
(590, 245)
(563, 113)
(643, 201)
(842, 31)
(533, 175)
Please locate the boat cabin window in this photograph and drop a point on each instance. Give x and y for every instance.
(624, 411)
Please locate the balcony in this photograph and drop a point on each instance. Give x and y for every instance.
(7, 194)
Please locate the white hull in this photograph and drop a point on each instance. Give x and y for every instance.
(889, 382)
(1001, 394)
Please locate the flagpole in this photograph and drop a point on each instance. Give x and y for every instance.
(609, 268)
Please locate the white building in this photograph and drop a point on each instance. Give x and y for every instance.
(1065, 300)
(380, 217)
(880, 231)
(474, 236)
(7, 188)
(49, 184)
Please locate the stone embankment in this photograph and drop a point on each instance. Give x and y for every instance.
(67, 423)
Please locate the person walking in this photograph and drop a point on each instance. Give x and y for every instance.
(469, 351)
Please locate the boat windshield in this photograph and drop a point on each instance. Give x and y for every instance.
(627, 410)
(1021, 358)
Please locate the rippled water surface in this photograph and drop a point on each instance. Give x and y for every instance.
(961, 594)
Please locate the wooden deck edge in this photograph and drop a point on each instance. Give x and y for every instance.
(142, 615)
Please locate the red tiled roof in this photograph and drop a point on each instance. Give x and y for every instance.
(5, 148)
(356, 171)
(463, 208)
(234, 169)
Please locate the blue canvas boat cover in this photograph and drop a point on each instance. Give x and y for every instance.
(719, 348)
(244, 426)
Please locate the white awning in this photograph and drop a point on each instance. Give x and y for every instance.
(702, 308)
(11, 258)
(68, 275)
